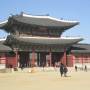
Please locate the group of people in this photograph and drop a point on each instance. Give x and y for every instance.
(85, 68)
(63, 70)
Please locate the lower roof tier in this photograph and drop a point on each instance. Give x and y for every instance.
(4, 48)
(43, 40)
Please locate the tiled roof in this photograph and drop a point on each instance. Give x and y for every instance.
(81, 48)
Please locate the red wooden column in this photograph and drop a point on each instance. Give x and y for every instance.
(64, 57)
(16, 57)
(50, 58)
(33, 61)
(33, 57)
(82, 60)
(72, 61)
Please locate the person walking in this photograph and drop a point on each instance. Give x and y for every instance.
(61, 69)
(65, 70)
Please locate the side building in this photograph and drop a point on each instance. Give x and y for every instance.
(81, 55)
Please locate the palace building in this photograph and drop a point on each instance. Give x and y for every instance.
(37, 41)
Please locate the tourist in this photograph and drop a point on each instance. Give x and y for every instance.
(85, 69)
(65, 70)
(75, 68)
(61, 69)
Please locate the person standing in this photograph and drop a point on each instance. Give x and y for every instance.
(85, 69)
(75, 68)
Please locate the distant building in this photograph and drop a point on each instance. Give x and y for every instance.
(81, 55)
(37, 41)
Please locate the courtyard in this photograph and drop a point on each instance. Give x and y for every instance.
(45, 80)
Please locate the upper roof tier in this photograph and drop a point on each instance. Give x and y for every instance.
(44, 21)
(37, 21)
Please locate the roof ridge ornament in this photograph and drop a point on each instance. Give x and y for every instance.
(22, 13)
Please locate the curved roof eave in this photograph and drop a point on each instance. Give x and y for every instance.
(49, 41)
(4, 48)
(46, 21)
(49, 17)
(2, 24)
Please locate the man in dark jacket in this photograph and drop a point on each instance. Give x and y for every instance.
(65, 70)
(61, 69)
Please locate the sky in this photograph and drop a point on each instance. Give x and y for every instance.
(78, 10)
